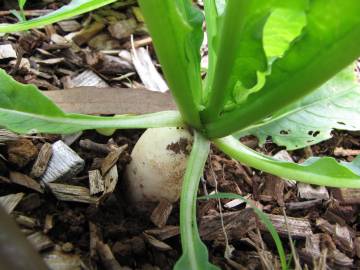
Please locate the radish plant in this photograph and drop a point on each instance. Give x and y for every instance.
(276, 68)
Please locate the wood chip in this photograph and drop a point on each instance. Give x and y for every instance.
(357, 246)
(51, 61)
(48, 224)
(40, 241)
(57, 260)
(273, 190)
(69, 26)
(7, 136)
(92, 100)
(25, 221)
(107, 257)
(123, 29)
(341, 152)
(26, 181)
(303, 205)
(64, 163)
(96, 182)
(160, 245)
(111, 159)
(88, 78)
(21, 152)
(285, 156)
(144, 66)
(236, 225)
(165, 232)
(7, 51)
(42, 160)
(95, 147)
(88, 33)
(110, 180)
(69, 139)
(347, 195)
(309, 192)
(108, 64)
(70, 193)
(342, 235)
(297, 227)
(9, 202)
(161, 213)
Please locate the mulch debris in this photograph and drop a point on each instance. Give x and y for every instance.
(66, 193)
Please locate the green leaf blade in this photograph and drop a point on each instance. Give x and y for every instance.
(335, 105)
(24, 109)
(325, 47)
(195, 255)
(175, 28)
(324, 171)
(76, 7)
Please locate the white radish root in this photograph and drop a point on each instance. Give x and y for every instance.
(158, 165)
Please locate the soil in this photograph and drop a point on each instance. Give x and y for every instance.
(140, 240)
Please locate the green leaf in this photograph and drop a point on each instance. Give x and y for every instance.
(325, 171)
(282, 27)
(24, 109)
(335, 105)
(176, 30)
(22, 3)
(325, 47)
(76, 7)
(240, 54)
(262, 216)
(195, 255)
(238, 46)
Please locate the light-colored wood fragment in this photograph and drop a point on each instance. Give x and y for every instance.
(6, 136)
(144, 66)
(51, 61)
(285, 156)
(165, 232)
(69, 25)
(92, 100)
(110, 181)
(69, 139)
(64, 163)
(297, 227)
(341, 152)
(161, 213)
(48, 224)
(25, 221)
(309, 192)
(7, 51)
(42, 160)
(347, 195)
(40, 241)
(111, 159)
(160, 245)
(9, 202)
(57, 260)
(70, 193)
(88, 78)
(26, 181)
(96, 182)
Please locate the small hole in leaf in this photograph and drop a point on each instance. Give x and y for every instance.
(310, 132)
(316, 133)
(341, 123)
(284, 132)
(309, 141)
